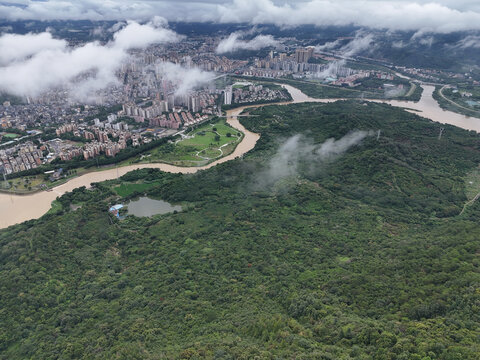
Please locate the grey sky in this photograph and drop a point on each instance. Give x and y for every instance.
(418, 15)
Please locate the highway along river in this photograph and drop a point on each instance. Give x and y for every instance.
(15, 209)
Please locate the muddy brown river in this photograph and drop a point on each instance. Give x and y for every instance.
(15, 209)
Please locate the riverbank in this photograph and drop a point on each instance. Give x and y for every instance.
(18, 208)
(184, 154)
(448, 104)
(15, 209)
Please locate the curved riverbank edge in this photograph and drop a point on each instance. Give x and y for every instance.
(15, 209)
(60, 182)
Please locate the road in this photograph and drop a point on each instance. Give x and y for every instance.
(453, 102)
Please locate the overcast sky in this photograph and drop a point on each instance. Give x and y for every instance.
(426, 15)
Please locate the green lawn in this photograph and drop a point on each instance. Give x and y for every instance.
(11, 135)
(238, 86)
(211, 153)
(205, 136)
(26, 183)
(201, 147)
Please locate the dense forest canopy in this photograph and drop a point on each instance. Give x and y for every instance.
(367, 253)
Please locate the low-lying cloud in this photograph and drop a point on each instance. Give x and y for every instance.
(328, 46)
(392, 15)
(137, 36)
(469, 42)
(185, 79)
(440, 16)
(300, 152)
(34, 63)
(332, 69)
(15, 47)
(362, 42)
(234, 43)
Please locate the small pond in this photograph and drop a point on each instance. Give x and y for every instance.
(472, 103)
(145, 206)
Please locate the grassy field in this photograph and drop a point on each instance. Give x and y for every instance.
(11, 135)
(30, 184)
(205, 136)
(202, 145)
(25, 184)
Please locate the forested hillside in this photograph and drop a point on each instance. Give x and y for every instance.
(305, 248)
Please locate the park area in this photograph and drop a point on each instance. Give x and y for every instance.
(4, 137)
(11, 135)
(199, 146)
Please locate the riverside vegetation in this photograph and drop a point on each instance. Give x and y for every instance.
(451, 101)
(364, 256)
(318, 90)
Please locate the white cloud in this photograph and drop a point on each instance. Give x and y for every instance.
(298, 150)
(15, 47)
(233, 43)
(393, 15)
(140, 10)
(332, 69)
(135, 35)
(328, 46)
(471, 41)
(31, 64)
(398, 44)
(441, 16)
(5, 29)
(185, 79)
(427, 41)
(117, 26)
(361, 42)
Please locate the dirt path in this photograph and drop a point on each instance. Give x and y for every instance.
(470, 202)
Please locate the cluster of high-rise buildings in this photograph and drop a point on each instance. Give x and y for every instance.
(104, 137)
(140, 113)
(148, 96)
(165, 113)
(95, 148)
(294, 63)
(66, 128)
(247, 93)
(24, 156)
